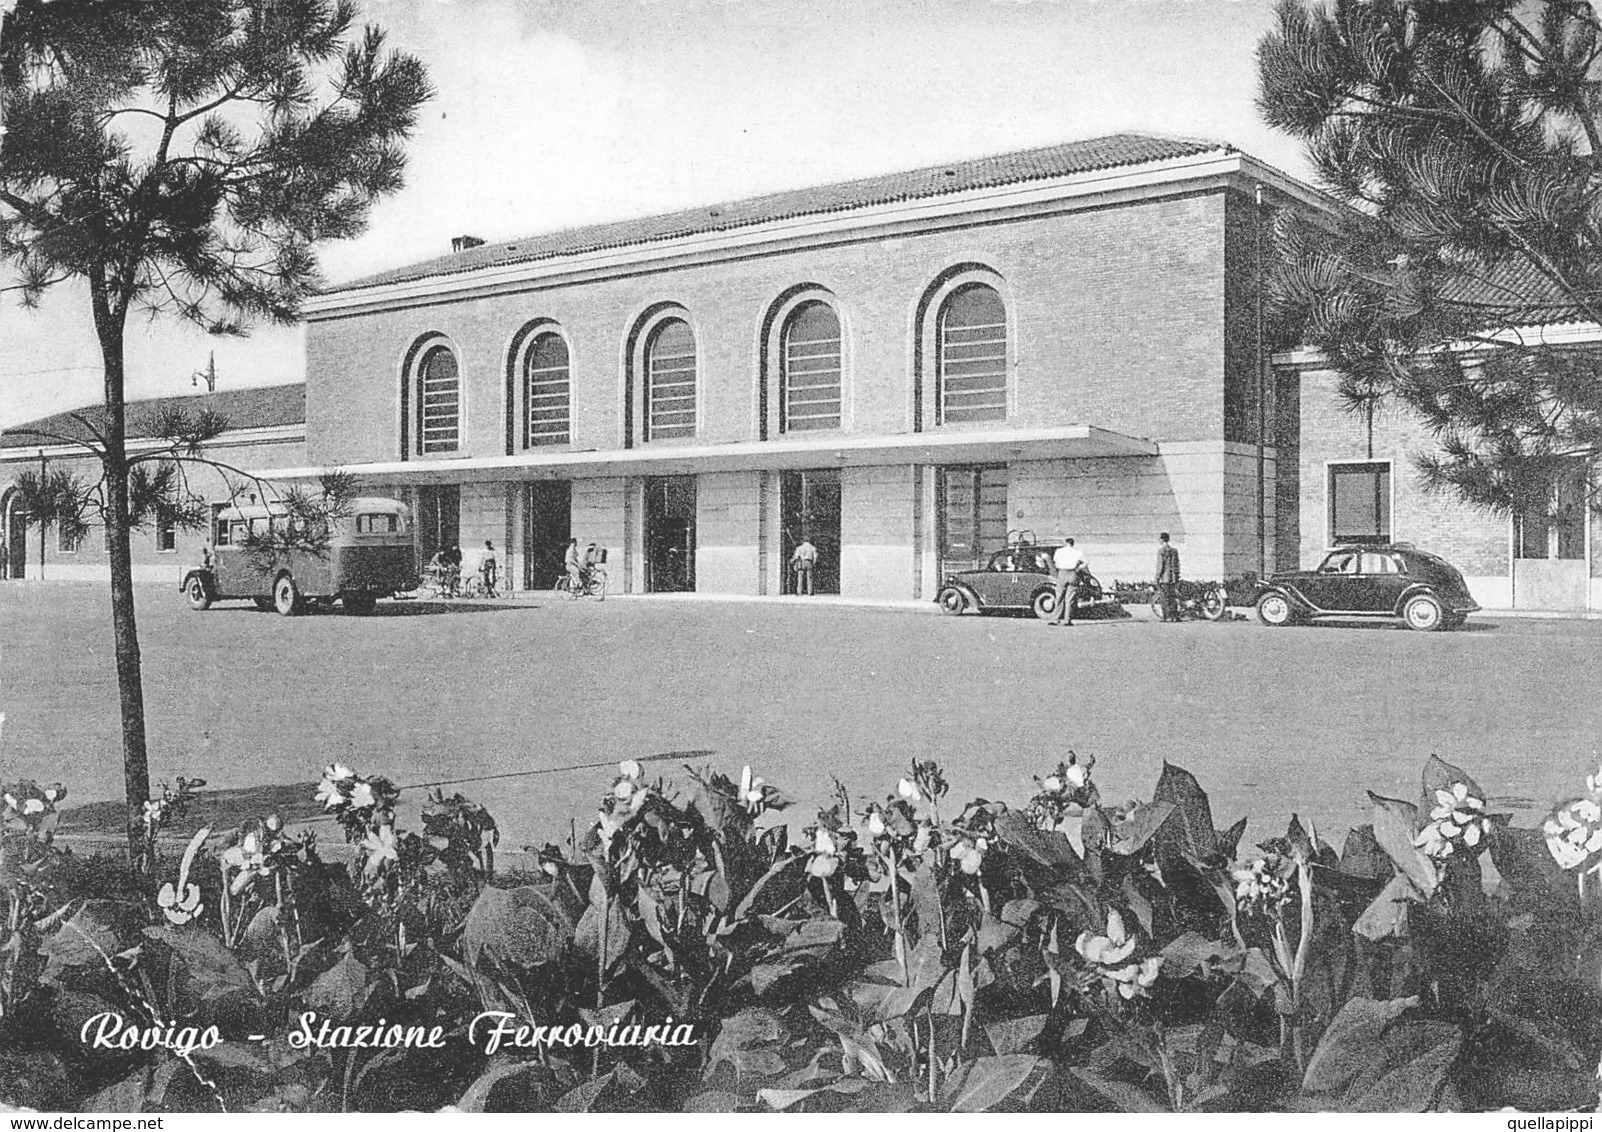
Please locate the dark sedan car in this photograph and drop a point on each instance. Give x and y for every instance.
(1020, 577)
(1392, 582)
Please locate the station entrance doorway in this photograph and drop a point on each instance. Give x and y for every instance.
(809, 508)
(669, 534)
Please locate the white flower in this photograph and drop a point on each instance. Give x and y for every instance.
(752, 795)
(329, 792)
(824, 854)
(1133, 980)
(1052, 785)
(11, 801)
(908, 790)
(628, 768)
(1573, 833)
(876, 824)
(623, 790)
(1106, 950)
(1077, 775)
(361, 795)
(970, 855)
(180, 909)
(1457, 818)
(32, 806)
(380, 849)
(248, 858)
(337, 772)
(1261, 885)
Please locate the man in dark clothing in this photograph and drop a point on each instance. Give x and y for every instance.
(1168, 578)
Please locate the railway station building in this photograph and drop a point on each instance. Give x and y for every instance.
(907, 370)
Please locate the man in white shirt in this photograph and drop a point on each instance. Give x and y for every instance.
(1067, 561)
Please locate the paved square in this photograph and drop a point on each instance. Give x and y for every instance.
(1271, 721)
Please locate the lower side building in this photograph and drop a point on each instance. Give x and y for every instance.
(889, 516)
(1359, 482)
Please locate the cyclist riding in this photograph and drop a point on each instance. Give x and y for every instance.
(574, 565)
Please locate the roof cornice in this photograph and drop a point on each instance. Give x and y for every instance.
(1211, 171)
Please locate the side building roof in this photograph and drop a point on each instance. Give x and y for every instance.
(1041, 164)
(267, 406)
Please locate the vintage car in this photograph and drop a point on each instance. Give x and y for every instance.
(1019, 577)
(367, 555)
(1395, 581)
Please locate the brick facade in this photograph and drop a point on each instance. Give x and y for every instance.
(1131, 313)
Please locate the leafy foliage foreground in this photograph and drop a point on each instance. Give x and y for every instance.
(690, 950)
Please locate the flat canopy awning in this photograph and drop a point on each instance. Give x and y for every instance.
(1069, 442)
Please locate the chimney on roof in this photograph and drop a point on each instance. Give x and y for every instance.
(462, 243)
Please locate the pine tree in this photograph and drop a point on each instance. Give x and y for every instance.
(1464, 136)
(182, 158)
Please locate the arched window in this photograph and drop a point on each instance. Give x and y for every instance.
(546, 392)
(670, 381)
(973, 356)
(439, 401)
(811, 395)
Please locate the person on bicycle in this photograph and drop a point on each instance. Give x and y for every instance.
(1167, 581)
(574, 564)
(489, 569)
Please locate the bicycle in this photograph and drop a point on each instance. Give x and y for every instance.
(592, 582)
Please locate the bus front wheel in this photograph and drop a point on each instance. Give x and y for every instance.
(286, 596)
(197, 593)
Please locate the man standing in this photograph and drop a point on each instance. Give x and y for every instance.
(1067, 561)
(1168, 578)
(804, 559)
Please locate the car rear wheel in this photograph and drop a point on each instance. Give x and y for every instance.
(286, 596)
(1423, 613)
(197, 593)
(952, 601)
(1274, 609)
(1045, 604)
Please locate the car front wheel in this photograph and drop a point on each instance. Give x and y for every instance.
(286, 596)
(1274, 609)
(1045, 604)
(952, 601)
(1423, 613)
(197, 593)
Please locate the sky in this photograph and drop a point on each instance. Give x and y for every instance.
(556, 113)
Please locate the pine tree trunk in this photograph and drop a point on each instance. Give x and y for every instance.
(125, 629)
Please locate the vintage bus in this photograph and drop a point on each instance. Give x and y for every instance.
(369, 555)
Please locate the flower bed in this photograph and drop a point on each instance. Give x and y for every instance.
(684, 951)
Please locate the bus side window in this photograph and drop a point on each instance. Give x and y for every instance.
(377, 524)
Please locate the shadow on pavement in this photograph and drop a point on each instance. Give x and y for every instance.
(427, 607)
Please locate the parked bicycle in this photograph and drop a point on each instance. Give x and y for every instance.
(1197, 600)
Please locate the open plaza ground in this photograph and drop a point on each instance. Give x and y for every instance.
(1270, 721)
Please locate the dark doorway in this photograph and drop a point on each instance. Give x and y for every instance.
(971, 508)
(439, 519)
(809, 507)
(547, 525)
(15, 533)
(670, 534)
